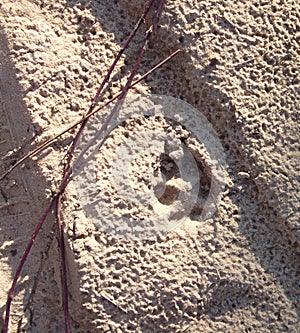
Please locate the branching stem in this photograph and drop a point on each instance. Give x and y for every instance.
(55, 201)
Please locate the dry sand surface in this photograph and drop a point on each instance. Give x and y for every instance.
(238, 271)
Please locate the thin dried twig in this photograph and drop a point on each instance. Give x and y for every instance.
(70, 157)
(46, 144)
(123, 94)
(50, 141)
(109, 299)
(56, 198)
(106, 79)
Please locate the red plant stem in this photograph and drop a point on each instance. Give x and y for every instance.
(70, 157)
(103, 128)
(106, 79)
(172, 55)
(21, 264)
(48, 142)
(17, 274)
(63, 262)
(28, 249)
(48, 209)
(64, 182)
(127, 85)
(123, 48)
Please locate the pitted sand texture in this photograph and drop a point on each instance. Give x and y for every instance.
(238, 272)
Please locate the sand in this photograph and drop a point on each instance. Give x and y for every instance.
(238, 271)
